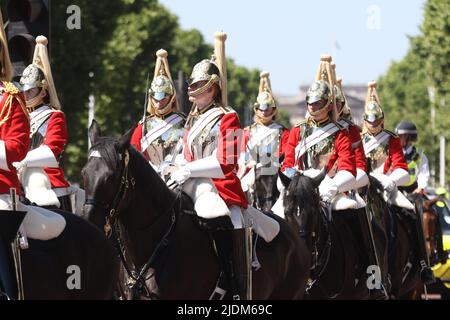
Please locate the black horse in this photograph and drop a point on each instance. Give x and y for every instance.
(265, 192)
(402, 258)
(167, 254)
(337, 271)
(79, 264)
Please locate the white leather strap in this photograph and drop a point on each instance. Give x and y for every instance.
(318, 135)
(159, 130)
(375, 142)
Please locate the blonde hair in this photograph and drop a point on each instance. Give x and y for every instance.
(41, 59)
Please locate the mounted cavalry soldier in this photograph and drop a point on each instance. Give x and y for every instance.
(320, 143)
(14, 144)
(41, 174)
(264, 144)
(208, 176)
(386, 163)
(159, 136)
(363, 218)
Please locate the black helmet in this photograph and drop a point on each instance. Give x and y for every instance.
(406, 128)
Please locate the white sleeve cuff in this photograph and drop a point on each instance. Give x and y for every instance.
(208, 167)
(399, 176)
(344, 180)
(3, 162)
(362, 179)
(41, 157)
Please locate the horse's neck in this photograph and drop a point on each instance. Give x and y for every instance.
(148, 212)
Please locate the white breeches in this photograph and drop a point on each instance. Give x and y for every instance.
(39, 223)
(208, 203)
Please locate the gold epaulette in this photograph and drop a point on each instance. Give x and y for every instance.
(391, 133)
(9, 88)
(226, 109)
(298, 124)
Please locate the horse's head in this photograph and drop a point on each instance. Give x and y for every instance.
(302, 201)
(103, 173)
(266, 187)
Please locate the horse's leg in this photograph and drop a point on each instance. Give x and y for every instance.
(429, 231)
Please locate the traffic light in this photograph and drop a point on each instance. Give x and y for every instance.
(27, 19)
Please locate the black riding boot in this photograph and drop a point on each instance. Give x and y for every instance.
(9, 225)
(378, 293)
(231, 248)
(426, 274)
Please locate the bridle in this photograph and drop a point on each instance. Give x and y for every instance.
(138, 278)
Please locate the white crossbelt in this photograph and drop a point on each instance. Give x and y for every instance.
(159, 130)
(375, 142)
(318, 135)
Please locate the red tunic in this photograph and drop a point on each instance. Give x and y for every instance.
(56, 140)
(358, 147)
(229, 188)
(396, 159)
(15, 133)
(343, 152)
(136, 138)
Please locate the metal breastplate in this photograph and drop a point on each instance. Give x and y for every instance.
(266, 149)
(318, 156)
(161, 148)
(206, 142)
(377, 156)
(38, 132)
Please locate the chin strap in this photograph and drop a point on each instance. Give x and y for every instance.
(35, 102)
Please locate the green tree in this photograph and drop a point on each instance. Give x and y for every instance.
(117, 45)
(75, 54)
(405, 88)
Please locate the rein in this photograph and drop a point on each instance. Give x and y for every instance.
(112, 229)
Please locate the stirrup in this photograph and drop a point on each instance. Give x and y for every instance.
(426, 274)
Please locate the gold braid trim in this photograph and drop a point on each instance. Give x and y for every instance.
(12, 93)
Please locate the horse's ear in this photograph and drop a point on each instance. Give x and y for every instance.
(94, 132)
(285, 180)
(318, 179)
(125, 140)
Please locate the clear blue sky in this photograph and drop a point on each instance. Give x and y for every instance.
(286, 37)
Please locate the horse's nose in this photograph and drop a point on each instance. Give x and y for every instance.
(267, 208)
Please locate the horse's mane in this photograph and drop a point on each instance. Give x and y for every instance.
(375, 185)
(302, 192)
(146, 178)
(107, 147)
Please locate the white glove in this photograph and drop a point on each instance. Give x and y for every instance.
(179, 177)
(327, 190)
(389, 185)
(20, 165)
